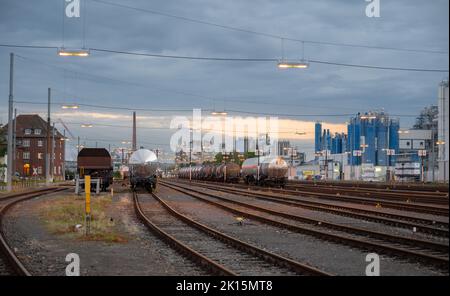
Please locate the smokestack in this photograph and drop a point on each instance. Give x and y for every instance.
(134, 131)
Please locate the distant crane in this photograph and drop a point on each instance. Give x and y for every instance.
(72, 137)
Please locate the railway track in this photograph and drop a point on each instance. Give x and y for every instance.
(378, 194)
(427, 226)
(215, 251)
(9, 262)
(426, 188)
(438, 210)
(434, 254)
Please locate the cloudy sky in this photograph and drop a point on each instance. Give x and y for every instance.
(160, 88)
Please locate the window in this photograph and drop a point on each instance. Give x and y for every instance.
(26, 155)
(28, 131)
(37, 131)
(26, 143)
(40, 155)
(40, 143)
(39, 170)
(60, 156)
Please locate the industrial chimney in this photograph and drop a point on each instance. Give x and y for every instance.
(134, 131)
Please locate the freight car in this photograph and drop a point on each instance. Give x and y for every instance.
(265, 171)
(226, 172)
(97, 163)
(143, 169)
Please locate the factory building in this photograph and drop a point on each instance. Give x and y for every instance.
(335, 144)
(373, 139)
(367, 152)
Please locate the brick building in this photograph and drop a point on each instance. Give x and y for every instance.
(31, 143)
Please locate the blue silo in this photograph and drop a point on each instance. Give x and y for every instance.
(318, 137)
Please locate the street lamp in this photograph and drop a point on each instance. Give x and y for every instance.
(292, 64)
(219, 113)
(73, 106)
(63, 52)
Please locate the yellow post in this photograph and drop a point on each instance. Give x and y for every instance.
(87, 189)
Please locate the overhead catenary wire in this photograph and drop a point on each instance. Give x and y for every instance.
(226, 110)
(198, 96)
(228, 59)
(265, 34)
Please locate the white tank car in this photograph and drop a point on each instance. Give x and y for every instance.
(143, 165)
(271, 170)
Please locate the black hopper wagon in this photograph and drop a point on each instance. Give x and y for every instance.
(97, 163)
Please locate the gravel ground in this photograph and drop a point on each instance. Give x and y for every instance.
(327, 256)
(327, 217)
(4, 268)
(44, 253)
(240, 262)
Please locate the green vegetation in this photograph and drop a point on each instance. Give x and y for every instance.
(63, 214)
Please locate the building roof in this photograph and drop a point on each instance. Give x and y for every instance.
(31, 121)
(94, 152)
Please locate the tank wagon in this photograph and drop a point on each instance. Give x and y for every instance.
(97, 163)
(226, 172)
(270, 171)
(143, 169)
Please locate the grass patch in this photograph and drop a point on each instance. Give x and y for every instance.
(61, 215)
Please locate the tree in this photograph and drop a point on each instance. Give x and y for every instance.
(3, 143)
(219, 157)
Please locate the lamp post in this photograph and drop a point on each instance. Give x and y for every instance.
(442, 143)
(10, 127)
(422, 154)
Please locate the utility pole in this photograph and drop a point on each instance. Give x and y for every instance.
(64, 158)
(52, 164)
(10, 127)
(14, 156)
(78, 145)
(47, 147)
(191, 142)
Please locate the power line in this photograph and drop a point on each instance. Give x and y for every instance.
(266, 60)
(81, 74)
(269, 35)
(84, 74)
(227, 110)
(226, 59)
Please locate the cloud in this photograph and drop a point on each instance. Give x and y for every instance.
(139, 82)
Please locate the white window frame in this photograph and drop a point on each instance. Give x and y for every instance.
(26, 142)
(26, 155)
(37, 131)
(27, 131)
(40, 155)
(40, 143)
